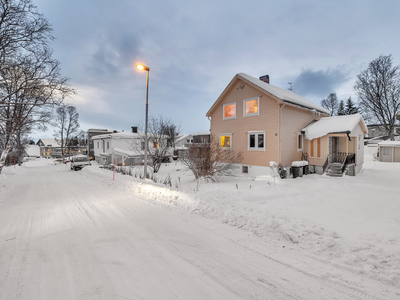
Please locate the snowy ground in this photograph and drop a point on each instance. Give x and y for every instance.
(342, 234)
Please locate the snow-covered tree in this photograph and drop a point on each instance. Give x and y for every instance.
(341, 111)
(351, 107)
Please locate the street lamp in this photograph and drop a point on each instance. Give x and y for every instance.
(143, 67)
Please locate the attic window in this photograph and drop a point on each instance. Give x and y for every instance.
(251, 107)
(230, 111)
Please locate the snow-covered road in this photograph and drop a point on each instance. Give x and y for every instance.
(65, 236)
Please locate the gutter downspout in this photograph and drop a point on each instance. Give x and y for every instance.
(280, 133)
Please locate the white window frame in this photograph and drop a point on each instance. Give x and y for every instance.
(258, 107)
(219, 140)
(256, 133)
(302, 142)
(383, 151)
(223, 111)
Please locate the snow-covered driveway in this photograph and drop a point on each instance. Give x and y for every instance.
(66, 236)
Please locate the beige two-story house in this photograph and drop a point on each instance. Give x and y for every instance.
(268, 123)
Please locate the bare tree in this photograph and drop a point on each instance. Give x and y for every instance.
(331, 103)
(67, 125)
(30, 79)
(22, 32)
(378, 91)
(208, 161)
(161, 141)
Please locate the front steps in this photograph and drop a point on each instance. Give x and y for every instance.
(334, 170)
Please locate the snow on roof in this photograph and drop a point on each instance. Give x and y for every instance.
(183, 137)
(283, 94)
(324, 126)
(105, 154)
(32, 150)
(124, 152)
(390, 143)
(201, 133)
(51, 142)
(118, 135)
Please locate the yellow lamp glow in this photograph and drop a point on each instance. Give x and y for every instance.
(142, 67)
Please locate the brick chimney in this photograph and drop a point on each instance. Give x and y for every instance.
(134, 129)
(264, 78)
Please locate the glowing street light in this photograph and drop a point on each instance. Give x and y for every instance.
(143, 67)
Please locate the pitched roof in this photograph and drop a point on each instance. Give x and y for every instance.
(50, 142)
(337, 124)
(286, 96)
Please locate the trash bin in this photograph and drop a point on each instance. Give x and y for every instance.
(305, 168)
(296, 171)
(298, 168)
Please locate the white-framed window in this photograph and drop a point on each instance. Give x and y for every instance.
(299, 142)
(385, 150)
(251, 107)
(225, 141)
(229, 111)
(315, 148)
(256, 140)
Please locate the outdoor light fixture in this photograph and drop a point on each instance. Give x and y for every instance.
(143, 67)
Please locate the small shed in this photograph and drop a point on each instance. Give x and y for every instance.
(389, 151)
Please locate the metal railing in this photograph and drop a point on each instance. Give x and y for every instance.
(326, 164)
(350, 159)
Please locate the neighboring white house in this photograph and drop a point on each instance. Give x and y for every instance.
(126, 148)
(32, 150)
(183, 140)
(389, 151)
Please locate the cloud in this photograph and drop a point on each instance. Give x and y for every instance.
(319, 83)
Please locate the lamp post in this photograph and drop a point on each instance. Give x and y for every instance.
(143, 67)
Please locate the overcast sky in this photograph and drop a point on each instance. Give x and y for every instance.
(195, 48)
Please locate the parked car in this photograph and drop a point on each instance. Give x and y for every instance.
(79, 161)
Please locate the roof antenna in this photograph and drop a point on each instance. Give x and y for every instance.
(290, 88)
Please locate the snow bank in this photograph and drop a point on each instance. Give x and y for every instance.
(350, 221)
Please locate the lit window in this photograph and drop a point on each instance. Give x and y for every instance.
(155, 145)
(250, 107)
(299, 142)
(319, 147)
(225, 141)
(256, 141)
(229, 111)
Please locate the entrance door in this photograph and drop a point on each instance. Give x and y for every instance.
(333, 148)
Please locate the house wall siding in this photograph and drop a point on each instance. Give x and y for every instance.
(267, 120)
(293, 121)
